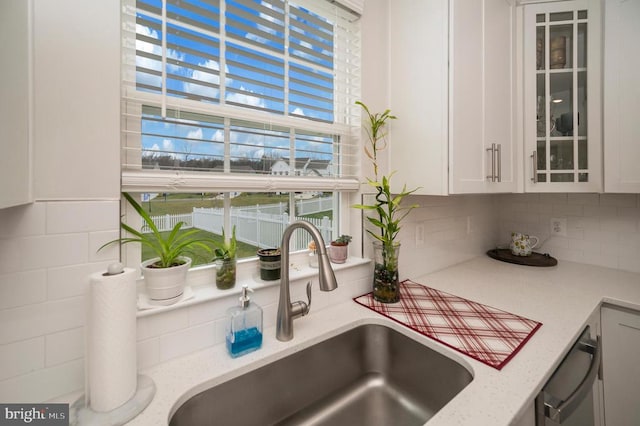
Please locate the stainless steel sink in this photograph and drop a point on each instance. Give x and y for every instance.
(370, 375)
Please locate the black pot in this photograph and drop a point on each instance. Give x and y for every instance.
(269, 264)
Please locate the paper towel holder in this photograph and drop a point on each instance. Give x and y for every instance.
(82, 414)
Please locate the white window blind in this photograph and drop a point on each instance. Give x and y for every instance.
(240, 95)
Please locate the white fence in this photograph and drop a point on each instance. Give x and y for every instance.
(260, 229)
(261, 226)
(168, 221)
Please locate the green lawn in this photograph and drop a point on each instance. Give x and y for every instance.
(199, 255)
(184, 203)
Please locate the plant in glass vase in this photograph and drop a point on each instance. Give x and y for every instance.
(225, 261)
(388, 211)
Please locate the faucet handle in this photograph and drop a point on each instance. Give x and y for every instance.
(308, 297)
(300, 308)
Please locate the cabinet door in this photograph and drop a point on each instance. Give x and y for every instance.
(621, 366)
(418, 87)
(621, 96)
(562, 71)
(15, 108)
(482, 89)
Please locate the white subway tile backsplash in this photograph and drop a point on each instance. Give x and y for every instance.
(584, 199)
(185, 341)
(64, 346)
(556, 199)
(630, 212)
(48, 251)
(65, 314)
(82, 216)
(70, 281)
(22, 323)
(53, 250)
(21, 357)
(567, 210)
(619, 200)
(156, 325)
(600, 211)
(11, 256)
(619, 224)
(585, 246)
(148, 352)
(23, 288)
(23, 221)
(110, 253)
(602, 229)
(44, 384)
(210, 311)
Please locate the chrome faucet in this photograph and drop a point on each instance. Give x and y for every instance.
(288, 311)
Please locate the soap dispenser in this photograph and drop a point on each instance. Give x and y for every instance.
(244, 326)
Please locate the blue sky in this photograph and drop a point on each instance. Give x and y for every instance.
(254, 78)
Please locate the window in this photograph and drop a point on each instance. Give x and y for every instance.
(234, 103)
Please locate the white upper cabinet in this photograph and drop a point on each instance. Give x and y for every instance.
(482, 107)
(452, 87)
(16, 105)
(418, 94)
(562, 97)
(622, 96)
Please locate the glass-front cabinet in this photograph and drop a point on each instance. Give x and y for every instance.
(562, 71)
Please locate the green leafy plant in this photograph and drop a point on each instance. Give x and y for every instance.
(167, 247)
(342, 240)
(388, 206)
(228, 248)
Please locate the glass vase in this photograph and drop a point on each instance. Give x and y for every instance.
(225, 273)
(386, 287)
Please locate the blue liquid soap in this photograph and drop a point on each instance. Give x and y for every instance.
(244, 326)
(244, 341)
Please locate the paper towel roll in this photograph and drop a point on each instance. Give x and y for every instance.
(112, 363)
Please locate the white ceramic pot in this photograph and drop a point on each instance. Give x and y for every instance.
(164, 284)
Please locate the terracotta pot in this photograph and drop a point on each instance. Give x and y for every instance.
(338, 253)
(165, 284)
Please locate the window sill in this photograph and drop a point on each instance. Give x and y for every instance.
(202, 281)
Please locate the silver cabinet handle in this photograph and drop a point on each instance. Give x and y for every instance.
(560, 410)
(499, 155)
(534, 156)
(492, 150)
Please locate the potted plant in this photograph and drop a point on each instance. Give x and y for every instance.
(313, 256)
(388, 212)
(339, 249)
(269, 263)
(225, 261)
(164, 275)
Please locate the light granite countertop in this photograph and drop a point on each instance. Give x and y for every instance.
(563, 298)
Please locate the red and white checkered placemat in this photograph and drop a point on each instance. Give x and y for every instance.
(490, 335)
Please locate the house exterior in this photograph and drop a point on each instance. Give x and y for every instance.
(304, 166)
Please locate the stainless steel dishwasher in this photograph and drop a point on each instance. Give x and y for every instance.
(567, 398)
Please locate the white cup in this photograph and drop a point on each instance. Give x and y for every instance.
(522, 244)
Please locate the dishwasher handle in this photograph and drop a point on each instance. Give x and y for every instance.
(558, 410)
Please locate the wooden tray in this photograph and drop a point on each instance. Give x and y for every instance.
(535, 259)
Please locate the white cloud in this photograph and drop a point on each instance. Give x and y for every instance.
(244, 99)
(218, 136)
(167, 145)
(144, 62)
(195, 134)
(205, 77)
(298, 111)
